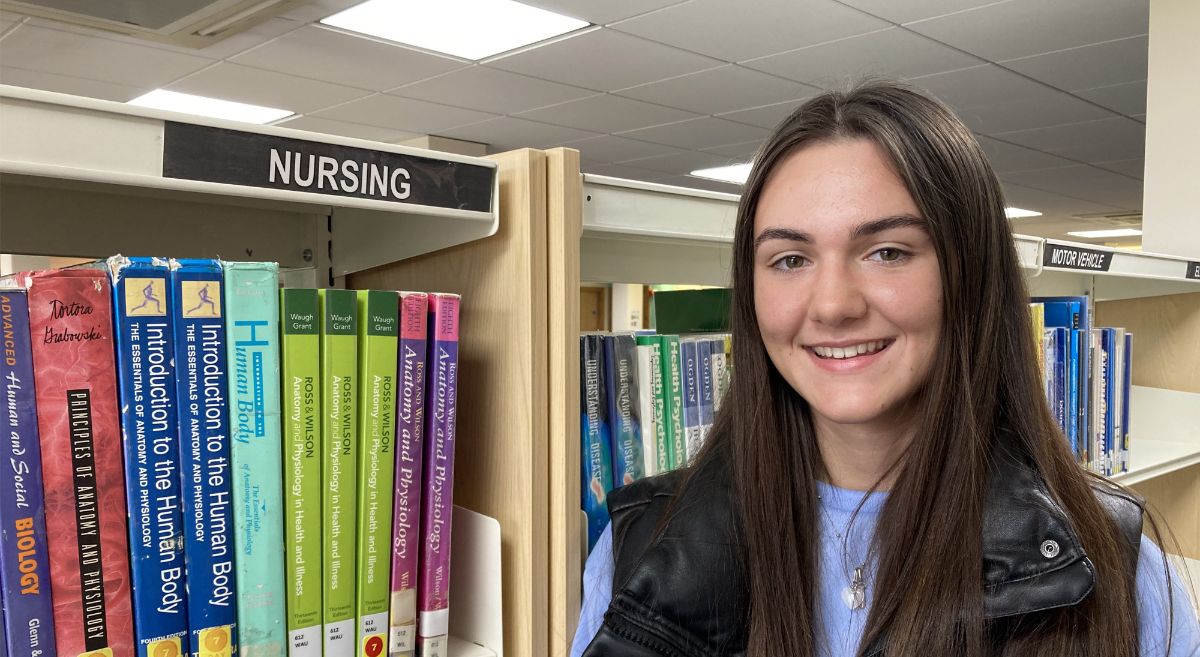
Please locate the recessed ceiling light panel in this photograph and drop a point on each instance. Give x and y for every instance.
(471, 29)
(734, 173)
(1018, 213)
(211, 107)
(1101, 234)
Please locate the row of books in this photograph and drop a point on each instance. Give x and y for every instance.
(647, 403)
(197, 462)
(1087, 372)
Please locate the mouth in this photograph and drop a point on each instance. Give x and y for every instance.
(850, 351)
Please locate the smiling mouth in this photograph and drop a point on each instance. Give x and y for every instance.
(851, 351)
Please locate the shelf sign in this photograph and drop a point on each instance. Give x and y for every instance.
(1193, 271)
(1062, 256)
(196, 152)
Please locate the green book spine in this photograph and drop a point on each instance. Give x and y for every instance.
(302, 468)
(673, 400)
(662, 449)
(252, 326)
(339, 420)
(378, 339)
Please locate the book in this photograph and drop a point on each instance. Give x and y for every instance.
(301, 400)
(71, 329)
(378, 330)
(647, 361)
(690, 381)
(339, 433)
(441, 396)
(1105, 406)
(704, 348)
(720, 378)
(672, 401)
(1073, 313)
(620, 378)
(596, 444)
(256, 452)
(410, 456)
(28, 617)
(145, 342)
(206, 475)
(1126, 390)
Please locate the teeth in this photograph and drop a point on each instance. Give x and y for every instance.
(851, 351)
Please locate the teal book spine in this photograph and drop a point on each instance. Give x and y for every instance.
(252, 327)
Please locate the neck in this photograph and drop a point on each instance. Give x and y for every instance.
(861, 456)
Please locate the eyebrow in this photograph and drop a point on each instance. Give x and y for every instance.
(860, 231)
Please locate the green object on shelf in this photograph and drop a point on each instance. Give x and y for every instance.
(692, 311)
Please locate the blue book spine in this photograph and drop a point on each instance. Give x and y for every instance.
(704, 350)
(597, 444)
(28, 618)
(145, 344)
(691, 396)
(620, 371)
(1060, 374)
(256, 454)
(1126, 389)
(205, 473)
(1109, 403)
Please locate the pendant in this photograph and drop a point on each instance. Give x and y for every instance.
(855, 595)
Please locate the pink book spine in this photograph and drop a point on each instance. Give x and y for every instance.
(406, 513)
(82, 470)
(436, 509)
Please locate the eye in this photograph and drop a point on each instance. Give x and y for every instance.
(890, 255)
(789, 262)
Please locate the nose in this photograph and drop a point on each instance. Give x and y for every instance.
(836, 296)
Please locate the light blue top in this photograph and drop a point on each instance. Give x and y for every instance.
(840, 628)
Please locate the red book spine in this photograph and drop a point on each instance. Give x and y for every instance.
(70, 320)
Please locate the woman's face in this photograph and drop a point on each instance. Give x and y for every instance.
(847, 289)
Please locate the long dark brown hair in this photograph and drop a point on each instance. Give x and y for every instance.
(983, 395)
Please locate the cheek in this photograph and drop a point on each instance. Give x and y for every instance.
(777, 312)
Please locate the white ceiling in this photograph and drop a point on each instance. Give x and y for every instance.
(657, 88)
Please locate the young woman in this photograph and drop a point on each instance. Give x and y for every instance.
(885, 477)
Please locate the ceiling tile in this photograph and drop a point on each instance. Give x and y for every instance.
(1050, 203)
(894, 52)
(625, 171)
(1085, 67)
(732, 32)
(913, 10)
(1046, 108)
(602, 13)
(1105, 140)
(355, 130)
(1019, 28)
(1083, 182)
(981, 85)
(681, 163)
(405, 114)
(767, 116)
(76, 55)
(606, 113)
(492, 90)
(694, 182)
(1005, 157)
(260, 87)
(309, 11)
(1128, 98)
(604, 60)
(744, 151)
(68, 85)
(221, 49)
(508, 133)
(609, 148)
(1134, 168)
(331, 56)
(718, 90)
(704, 132)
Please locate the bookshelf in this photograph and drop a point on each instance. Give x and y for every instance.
(634, 232)
(87, 178)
